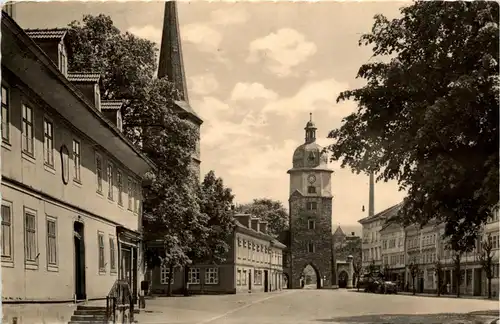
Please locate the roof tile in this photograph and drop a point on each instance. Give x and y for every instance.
(84, 77)
(49, 33)
(111, 104)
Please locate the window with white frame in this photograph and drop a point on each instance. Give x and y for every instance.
(30, 227)
(238, 278)
(100, 243)
(5, 115)
(51, 242)
(109, 174)
(48, 142)
(6, 231)
(98, 171)
(130, 193)
(112, 254)
(27, 130)
(137, 193)
(312, 205)
(194, 276)
(119, 184)
(76, 160)
(244, 281)
(165, 274)
(211, 276)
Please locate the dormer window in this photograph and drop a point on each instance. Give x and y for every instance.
(63, 60)
(97, 97)
(119, 121)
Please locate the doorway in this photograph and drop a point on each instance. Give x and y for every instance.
(79, 249)
(266, 281)
(310, 278)
(250, 280)
(343, 277)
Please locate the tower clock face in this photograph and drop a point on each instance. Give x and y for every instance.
(311, 178)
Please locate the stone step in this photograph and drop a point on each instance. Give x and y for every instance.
(87, 322)
(87, 307)
(88, 318)
(90, 312)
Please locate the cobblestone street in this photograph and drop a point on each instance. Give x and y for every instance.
(317, 306)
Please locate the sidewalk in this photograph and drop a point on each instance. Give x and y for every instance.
(406, 293)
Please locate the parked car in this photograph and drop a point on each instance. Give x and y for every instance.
(388, 287)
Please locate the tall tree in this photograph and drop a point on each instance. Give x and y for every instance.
(486, 257)
(268, 210)
(428, 115)
(216, 201)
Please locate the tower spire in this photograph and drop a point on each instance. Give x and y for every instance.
(310, 130)
(371, 198)
(171, 62)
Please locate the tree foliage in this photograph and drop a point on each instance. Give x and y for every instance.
(216, 202)
(428, 116)
(268, 210)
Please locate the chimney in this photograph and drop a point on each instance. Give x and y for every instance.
(263, 227)
(255, 224)
(371, 198)
(244, 219)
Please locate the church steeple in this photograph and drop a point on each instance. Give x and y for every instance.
(310, 130)
(171, 62)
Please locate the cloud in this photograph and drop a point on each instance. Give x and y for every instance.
(223, 129)
(264, 161)
(203, 84)
(313, 96)
(204, 37)
(149, 32)
(229, 16)
(246, 91)
(281, 51)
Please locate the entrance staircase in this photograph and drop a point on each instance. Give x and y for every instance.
(89, 313)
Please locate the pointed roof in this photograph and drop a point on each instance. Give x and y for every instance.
(339, 232)
(111, 104)
(171, 63)
(47, 33)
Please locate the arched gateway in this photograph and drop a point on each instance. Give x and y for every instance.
(310, 213)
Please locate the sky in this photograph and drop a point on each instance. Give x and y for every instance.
(255, 70)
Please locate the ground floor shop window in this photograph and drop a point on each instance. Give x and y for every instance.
(238, 278)
(194, 276)
(211, 276)
(165, 274)
(244, 278)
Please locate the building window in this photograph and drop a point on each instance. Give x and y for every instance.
(112, 254)
(76, 160)
(109, 175)
(48, 142)
(244, 281)
(51, 242)
(312, 205)
(311, 224)
(119, 121)
(98, 171)
(194, 276)
(63, 62)
(130, 193)
(30, 235)
(119, 183)
(165, 274)
(212, 276)
(238, 278)
(5, 115)
(27, 144)
(100, 239)
(6, 231)
(137, 192)
(311, 248)
(311, 189)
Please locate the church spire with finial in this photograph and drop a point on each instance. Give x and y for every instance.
(310, 130)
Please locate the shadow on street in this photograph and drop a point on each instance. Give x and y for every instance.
(445, 318)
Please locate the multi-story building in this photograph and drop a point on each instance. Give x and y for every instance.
(254, 263)
(422, 249)
(392, 236)
(371, 244)
(71, 193)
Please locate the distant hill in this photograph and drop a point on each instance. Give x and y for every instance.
(347, 229)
